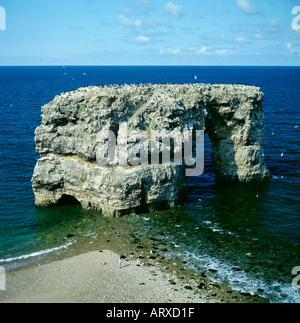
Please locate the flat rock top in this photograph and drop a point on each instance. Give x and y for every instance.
(131, 97)
(200, 88)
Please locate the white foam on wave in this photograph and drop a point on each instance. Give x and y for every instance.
(276, 292)
(90, 234)
(216, 228)
(222, 271)
(36, 253)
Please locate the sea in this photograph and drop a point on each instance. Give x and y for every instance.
(244, 235)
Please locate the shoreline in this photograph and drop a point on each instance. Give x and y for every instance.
(88, 272)
(94, 277)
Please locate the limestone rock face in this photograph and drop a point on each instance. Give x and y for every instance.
(67, 141)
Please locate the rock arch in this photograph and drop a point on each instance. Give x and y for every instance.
(67, 200)
(232, 116)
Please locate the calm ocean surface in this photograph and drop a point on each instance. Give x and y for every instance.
(247, 236)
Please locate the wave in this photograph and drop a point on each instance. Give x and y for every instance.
(36, 253)
(224, 272)
(275, 291)
(216, 228)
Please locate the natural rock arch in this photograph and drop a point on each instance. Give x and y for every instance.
(232, 115)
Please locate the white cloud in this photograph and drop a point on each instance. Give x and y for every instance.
(199, 15)
(222, 52)
(240, 39)
(246, 6)
(173, 9)
(273, 26)
(208, 51)
(142, 39)
(292, 51)
(170, 51)
(288, 45)
(205, 50)
(273, 22)
(258, 35)
(123, 20)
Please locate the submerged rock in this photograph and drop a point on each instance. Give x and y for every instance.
(69, 145)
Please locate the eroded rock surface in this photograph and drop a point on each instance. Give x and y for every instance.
(232, 116)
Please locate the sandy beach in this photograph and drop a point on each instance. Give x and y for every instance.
(94, 277)
(99, 277)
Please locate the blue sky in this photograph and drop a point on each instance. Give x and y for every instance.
(149, 32)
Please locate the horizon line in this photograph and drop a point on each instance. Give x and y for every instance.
(154, 65)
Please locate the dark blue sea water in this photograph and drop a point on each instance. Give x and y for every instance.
(247, 236)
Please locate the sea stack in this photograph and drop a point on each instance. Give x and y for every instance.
(68, 143)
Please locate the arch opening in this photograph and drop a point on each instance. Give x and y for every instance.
(200, 187)
(67, 200)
